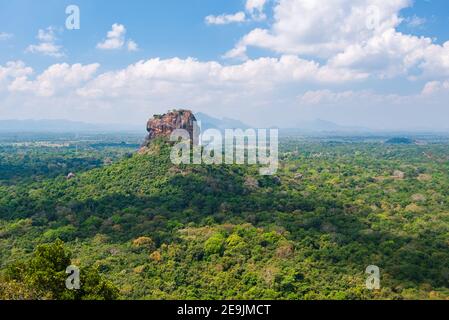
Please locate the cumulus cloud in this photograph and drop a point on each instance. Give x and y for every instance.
(46, 48)
(267, 91)
(256, 8)
(353, 34)
(341, 23)
(226, 18)
(47, 44)
(132, 46)
(12, 71)
(191, 72)
(388, 54)
(156, 84)
(116, 39)
(56, 79)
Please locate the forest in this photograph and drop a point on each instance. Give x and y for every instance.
(139, 227)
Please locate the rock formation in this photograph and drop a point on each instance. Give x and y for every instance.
(162, 126)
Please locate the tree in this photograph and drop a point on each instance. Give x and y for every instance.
(215, 244)
(45, 275)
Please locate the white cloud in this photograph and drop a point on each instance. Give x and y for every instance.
(324, 28)
(392, 54)
(5, 36)
(144, 78)
(239, 52)
(132, 46)
(14, 69)
(170, 81)
(415, 21)
(47, 44)
(255, 5)
(252, 73)
(11, 71)
(359, 35)
(434, 87)
(388, 54)
(48, 49)
(271, 91)
(341, 23)
(57, 77)
(226, 18)
(116, 39)
(256, 8)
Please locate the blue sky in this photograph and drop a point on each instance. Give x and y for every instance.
(264, 62)
(169, 28)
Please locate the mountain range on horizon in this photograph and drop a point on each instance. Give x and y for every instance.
(206, 121)
(60, 126)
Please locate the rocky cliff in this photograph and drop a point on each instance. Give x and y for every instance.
(162, 126)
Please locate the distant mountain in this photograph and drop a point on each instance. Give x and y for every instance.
(61, 126)
(208, 122)
(323, 126)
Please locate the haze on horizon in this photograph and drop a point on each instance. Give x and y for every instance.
(374, 64)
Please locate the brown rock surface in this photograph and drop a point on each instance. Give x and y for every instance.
(162, 126)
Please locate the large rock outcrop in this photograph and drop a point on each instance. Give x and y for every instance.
(162, 126)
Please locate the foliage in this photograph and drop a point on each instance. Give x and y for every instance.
(160, 231)
(44, 277)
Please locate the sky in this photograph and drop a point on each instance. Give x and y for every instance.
(369, 63)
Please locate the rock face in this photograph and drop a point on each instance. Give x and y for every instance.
(162, 126)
